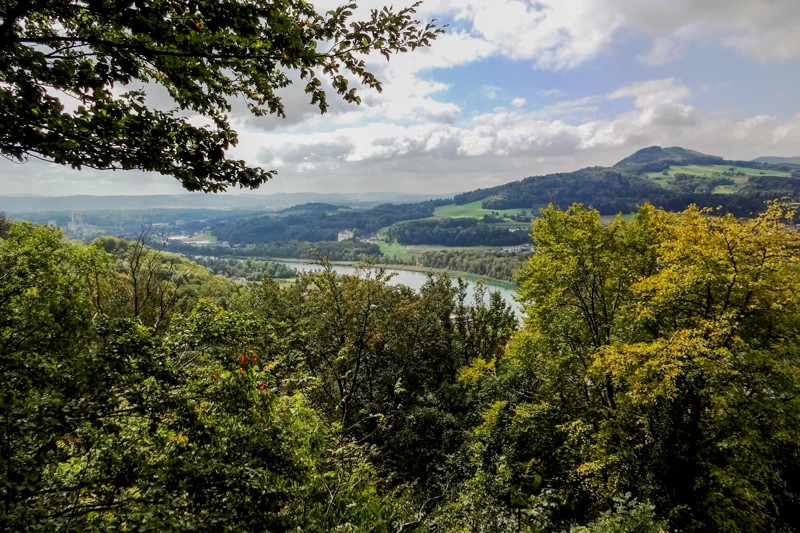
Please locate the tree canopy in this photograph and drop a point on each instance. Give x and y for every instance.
(655, 378)
(652, 387)
(75, 74)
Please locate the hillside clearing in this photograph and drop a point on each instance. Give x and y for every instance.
(473, 210)
(739, 175)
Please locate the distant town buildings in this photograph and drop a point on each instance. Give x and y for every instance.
(345, 235)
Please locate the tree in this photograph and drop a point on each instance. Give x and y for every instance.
(74, 77)
(146, 287)
(658, 361)
(708, 393)
(5, 225)
(45, 317)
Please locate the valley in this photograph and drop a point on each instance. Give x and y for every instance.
(483, 232)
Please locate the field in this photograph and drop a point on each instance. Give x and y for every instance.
(402, 251)
(739, 175)
(472, 210)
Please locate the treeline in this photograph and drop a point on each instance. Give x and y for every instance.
(332, 250)
(652, 387)
(226, 261)
(688, 183)
(490, 263)
(323, 222)
(454, 232)
(249, 269)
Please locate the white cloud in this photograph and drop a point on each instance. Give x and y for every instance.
(654, 92)
(562, 34)
(551, 93)
(491, 91)
(519, 102)
(664, 50)
(766, 31)
(505, 145)
(554, 34)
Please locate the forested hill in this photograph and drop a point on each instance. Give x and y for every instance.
(672, 178)
(656, 159)
(319, 222)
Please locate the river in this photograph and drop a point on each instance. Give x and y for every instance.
(411, 278)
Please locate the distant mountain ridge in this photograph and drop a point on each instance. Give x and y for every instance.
(621, 187)
(773, 160)
(34, 203)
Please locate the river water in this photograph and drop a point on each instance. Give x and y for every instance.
(412, 279)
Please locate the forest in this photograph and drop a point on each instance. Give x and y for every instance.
(245, 269)
(318, 222)
(492, 264)
(352, 251)
(651, 386)
(454, 232)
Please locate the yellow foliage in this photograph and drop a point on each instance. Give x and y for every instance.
(473, 373)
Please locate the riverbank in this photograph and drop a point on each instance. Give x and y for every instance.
(416, 279)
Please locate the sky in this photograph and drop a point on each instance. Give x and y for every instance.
(518, 88)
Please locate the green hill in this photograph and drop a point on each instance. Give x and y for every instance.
(655, 159)
(778, 160)
(672, 178)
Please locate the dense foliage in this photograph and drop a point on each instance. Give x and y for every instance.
(247, 269)
(122, 413)
(454, 232)
(657, 366)
(653, 386)
(353, 251)
(608, 190)
(490, 263)
(203, 53)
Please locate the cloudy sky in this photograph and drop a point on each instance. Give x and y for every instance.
(518, 88)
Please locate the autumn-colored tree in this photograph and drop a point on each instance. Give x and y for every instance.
(707, 395)
(657, 363)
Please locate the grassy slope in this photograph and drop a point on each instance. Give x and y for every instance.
(471, 210)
